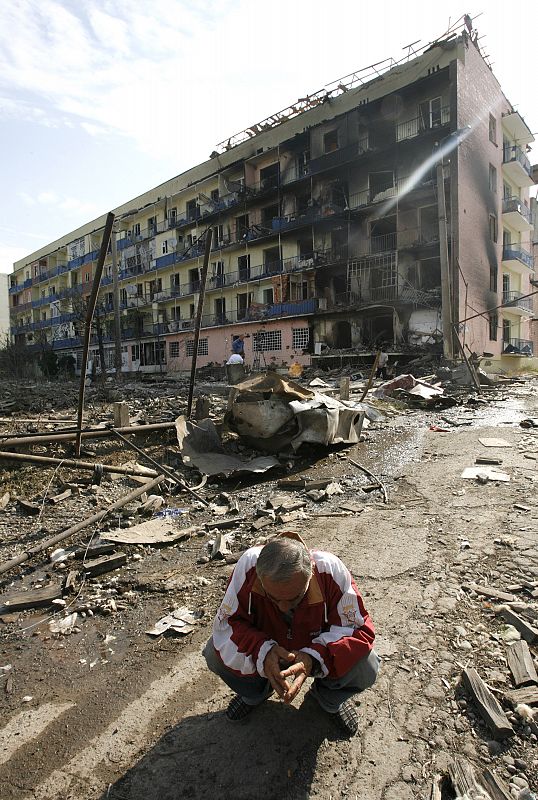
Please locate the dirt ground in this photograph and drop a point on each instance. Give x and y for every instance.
(110, 712)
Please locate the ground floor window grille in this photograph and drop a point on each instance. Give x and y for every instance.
(173, 349)
(203, 347)
(267, 340)
(301, 338)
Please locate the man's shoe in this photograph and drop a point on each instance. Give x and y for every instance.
(347, 718)
(238, 709)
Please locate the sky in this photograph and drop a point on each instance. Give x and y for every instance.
(100, 100)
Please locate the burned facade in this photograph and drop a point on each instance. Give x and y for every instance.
(387, 209)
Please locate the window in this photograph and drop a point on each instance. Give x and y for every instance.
(173, 349)
(330, 141)
(506, 331)
(493, 325)
(172, 216)
(507, 191)
(267, 340)
(136, 229)
(493, 278)
(152, 226)
(493, 227)
(203, 349)
(430, 114)
(492, 129)
(87, 277)
(269, 176)
(174, 281)
(243, 266)
(301, 338)
(164, 247)
(214, 195)
(192, 210)
(269, 213)
(268, 296)
(492, 179)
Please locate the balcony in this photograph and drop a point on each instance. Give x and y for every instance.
(517, 166)
(18, 287)
(517, 259)
(403, 292)
(517, 302)
(419, 125)
(517, 347)
(337, 157)
(517, 214)
(259, 312)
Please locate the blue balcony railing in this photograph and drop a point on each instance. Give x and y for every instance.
(516, 253)
(515, 205)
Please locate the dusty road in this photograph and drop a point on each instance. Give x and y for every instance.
(147, 722)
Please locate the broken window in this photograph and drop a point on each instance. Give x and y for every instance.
(493, 227)
(383, 235)
(269, 213)
(269, 176)
(220, 310)
(493, 278)
(193, 210)
(493, 325)
(507, 329)
(429, 224)
(194, 280)
(381, 185)
(429, 113)
(219, 278)
(243, 266)
(430, 274)
(330, 141)
(244, 299)
(241, 227)
(214, 195)
(272, 261)
(268, 296)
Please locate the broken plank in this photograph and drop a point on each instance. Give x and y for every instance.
(497, 788)
(291, 483)
(527, 695)
(225, 523)
(521, 664)
(490, 710)
(491, 592)
(36, 598)
(485, 460)
(463, 779)
(101, 549)
(526, 630)
(104, 564)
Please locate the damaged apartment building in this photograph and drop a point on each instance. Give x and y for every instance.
(389, 206)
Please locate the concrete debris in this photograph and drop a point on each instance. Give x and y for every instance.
(202, 449)
(65, 625)
(494, 442)
(484, 474)
(181, 621)
(220, 548)
(156, 531)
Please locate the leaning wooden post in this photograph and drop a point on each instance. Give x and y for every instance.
(198, 321)
(88, 326)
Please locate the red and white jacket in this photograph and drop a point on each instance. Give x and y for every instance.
(330, 623)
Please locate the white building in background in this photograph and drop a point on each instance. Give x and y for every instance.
(4, 307)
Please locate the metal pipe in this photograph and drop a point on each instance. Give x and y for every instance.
(203, 281)
(14, 562)
(95, 433)
(88, 326)
(74, 463)
(167, 472)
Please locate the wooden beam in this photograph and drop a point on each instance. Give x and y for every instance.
(521, 664)
(490, 710)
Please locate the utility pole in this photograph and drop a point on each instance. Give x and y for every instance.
(446, 288)
(116, 303)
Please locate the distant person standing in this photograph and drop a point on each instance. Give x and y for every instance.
(238, 345)
(382, 362)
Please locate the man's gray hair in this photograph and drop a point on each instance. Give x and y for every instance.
(281, 559)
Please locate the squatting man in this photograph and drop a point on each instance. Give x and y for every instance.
(289, 614)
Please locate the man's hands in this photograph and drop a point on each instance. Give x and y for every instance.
(300, 669)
